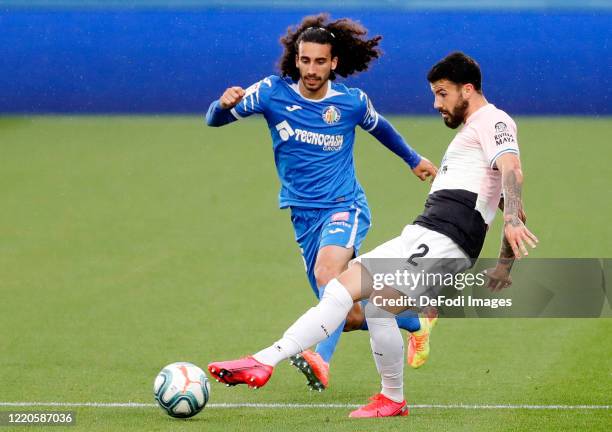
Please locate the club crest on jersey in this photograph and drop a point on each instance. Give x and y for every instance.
(331, 115)
(500, 127)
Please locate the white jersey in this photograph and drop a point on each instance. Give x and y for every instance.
(465, 194)
(469, 162)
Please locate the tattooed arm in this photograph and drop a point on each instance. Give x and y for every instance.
(522, 215)
(505, 252)
(515, 232)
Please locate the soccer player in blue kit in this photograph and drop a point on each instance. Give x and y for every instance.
(312, 121)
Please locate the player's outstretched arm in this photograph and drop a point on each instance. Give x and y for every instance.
(218, 113)
(515, 233)
(499, 277)
(391, 138)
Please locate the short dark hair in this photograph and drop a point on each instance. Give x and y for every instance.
(459, 68)
(346, 37)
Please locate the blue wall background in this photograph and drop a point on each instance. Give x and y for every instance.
(178, 60)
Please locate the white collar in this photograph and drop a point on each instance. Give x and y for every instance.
(330, 92)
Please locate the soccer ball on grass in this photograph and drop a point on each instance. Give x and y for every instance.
(181, 389)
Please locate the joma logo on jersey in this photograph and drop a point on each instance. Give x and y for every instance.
(328, 142)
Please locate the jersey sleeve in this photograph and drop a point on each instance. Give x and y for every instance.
(369, 119)
(391, 138)
(255, 100)
(498, 136)
(217, 116)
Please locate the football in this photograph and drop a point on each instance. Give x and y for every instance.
(181, 389)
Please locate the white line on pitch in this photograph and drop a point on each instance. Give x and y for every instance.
(301, 406)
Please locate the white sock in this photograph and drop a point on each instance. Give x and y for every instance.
(317, 324)
(388, 349)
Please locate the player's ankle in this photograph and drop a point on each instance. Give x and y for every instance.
(395, 394)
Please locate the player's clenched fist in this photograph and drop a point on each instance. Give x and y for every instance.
(231, 97)
(425, 169)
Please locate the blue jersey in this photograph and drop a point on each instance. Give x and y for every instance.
(312, 139)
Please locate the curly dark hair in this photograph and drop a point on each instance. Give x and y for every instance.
(346, 37)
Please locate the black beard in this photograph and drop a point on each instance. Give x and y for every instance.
(457, 117)
(321, 83)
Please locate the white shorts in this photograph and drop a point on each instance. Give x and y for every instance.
(420, 250)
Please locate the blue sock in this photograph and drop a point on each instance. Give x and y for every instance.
(327, 347)
(364, 324)
(407, 320)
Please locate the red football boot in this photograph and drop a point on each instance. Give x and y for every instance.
(243, 371)
(381, 406)
(316, 370)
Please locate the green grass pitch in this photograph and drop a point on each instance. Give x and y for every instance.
(127, 243)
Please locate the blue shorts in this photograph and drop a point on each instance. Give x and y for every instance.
(316, 228)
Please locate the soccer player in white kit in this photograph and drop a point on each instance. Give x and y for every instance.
(480, 162)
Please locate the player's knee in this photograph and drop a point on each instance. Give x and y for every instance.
(354, 319)
(324, 273)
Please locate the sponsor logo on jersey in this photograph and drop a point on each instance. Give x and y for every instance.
(331, 115)
(342, 224)
(293, 108)
(504, 138)
(328, 142)
(341, 216)
(285, 130)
